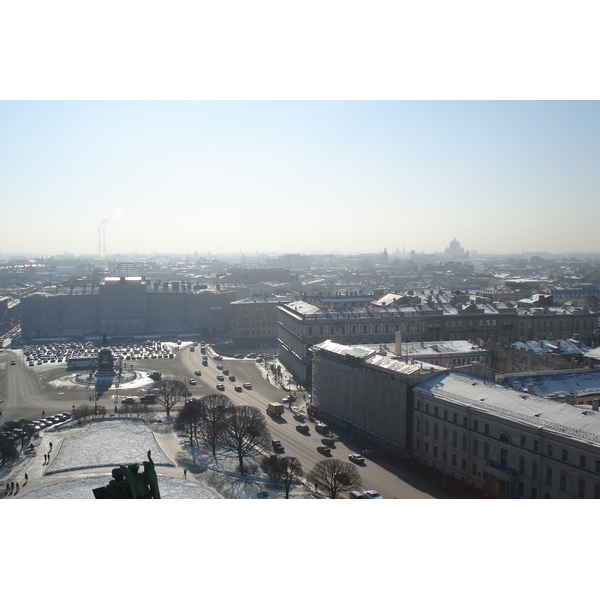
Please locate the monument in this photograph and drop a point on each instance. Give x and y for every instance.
(128, 482)
(105, 361)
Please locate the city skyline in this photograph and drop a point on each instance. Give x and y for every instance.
(304, 177)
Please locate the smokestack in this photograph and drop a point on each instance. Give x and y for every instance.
(104, 241)
(99, 243)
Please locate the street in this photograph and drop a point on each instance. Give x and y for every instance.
(27, 391)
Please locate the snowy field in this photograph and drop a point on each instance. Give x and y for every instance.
(106, 445)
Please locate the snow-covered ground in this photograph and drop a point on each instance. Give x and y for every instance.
(83, 456)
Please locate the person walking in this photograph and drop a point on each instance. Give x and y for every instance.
(26, 478)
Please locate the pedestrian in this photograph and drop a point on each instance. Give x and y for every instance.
(7, 488)
(50, 444)
(17, 487)
(43, 414)
(185, 473)
(12, 486)
(45, 458)
(26, 477)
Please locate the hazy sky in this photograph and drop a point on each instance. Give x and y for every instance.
(299, 177)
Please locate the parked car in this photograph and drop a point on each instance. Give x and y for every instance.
(302, 428)
(197, 372)
(355, 495)
(328, 442)
(248, 386)
(238, 388)
(220, 378)
(277, 446)
(356, 458)
(225, 371)
(324, 450)
(220, 387)
(372, 494)
(192, 382)
(232, 378)
(12, 362)
(128, 400)
(220, 367)
(299, 417)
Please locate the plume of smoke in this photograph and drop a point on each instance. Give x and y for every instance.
(112, 218)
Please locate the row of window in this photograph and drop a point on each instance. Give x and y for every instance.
(549, 475)
(549, 448)
(366, 329)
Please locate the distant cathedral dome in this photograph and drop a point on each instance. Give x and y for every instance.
(454, 250)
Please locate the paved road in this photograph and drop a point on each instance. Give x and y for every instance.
(27, 391)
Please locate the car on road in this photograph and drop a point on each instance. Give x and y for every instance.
(205, 363)
(277, 446)
(324, 450)
(128, 400)
(220, 378)
(355, 495)
(302, 428)
(12, 362)
(192, 382)
(299, 417)
(225, 371)
(220, 387)
(198, 373)
(322, 428)
(248, 386)
(328, 442)
(356, 458)
(238, 388)
(220, 367)
(239, 356)
(372, 495)
(369, 453)
(232, 378)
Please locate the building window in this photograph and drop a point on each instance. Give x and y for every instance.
(464, 443)
(454, 439)
(549, 449)
(533, 493)
(521, 465)
(548, 475)
(426, 448)
(475, 425)
(596, 491)
(445, 434)
(564, 454)
(426, 407)
(455, 418)
(598, 466)
(426, 427)
(582, 461)
(581, 488)
(562, 484)
(475, 447)
(534, 470)
(463, 464)
(465, 422)
(486, 429)
(445, 412)
(418, 424)
(454, 460)
(435, 411)
(520, 488)
(310, 331)
(486, 451)
(435, 451)
(536, 445)
(523, 441)
(474, 469)
(435, 431)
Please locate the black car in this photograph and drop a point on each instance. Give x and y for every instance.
(324, 450)
(302, 428)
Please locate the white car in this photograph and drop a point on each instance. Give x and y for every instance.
(372, 495)
(248, 386)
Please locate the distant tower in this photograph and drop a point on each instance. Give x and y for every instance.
(385, 257)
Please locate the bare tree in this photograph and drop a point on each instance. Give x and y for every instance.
(245, 433)
(169, 392)
(283, 469)
(8, 450)
(216, 408)
(189, 419)
(334, 476)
